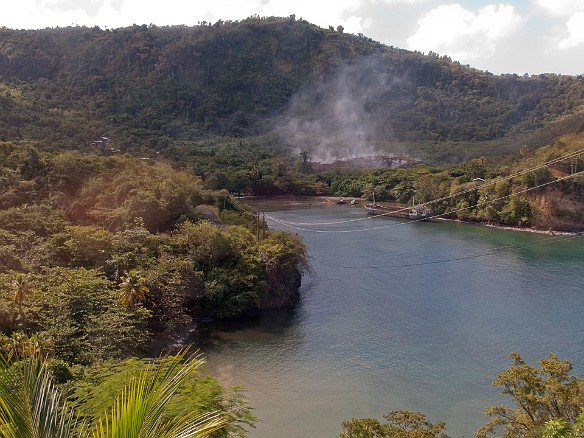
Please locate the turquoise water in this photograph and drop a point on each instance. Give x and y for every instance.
(396, 315)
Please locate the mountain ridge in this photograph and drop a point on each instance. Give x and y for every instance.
(316, 89)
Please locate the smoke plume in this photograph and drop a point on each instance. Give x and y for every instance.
(336, 117)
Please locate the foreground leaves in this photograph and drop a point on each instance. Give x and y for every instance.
(31, 406)
(541, 395)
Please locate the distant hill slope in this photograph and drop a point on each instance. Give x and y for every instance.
(333, 93)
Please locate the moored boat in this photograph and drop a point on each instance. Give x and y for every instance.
(416, 212)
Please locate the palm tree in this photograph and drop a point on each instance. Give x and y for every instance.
(132, 288)
(31, 406)
(19, 292)
(254, 176)
(304, 164)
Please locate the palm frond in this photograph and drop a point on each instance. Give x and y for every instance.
(198, 427)
(30, 404)
(139, 412)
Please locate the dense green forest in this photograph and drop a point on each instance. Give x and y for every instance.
(259, 106)
(107, 221)
(147, 87)
(118, 153)
(542, 189)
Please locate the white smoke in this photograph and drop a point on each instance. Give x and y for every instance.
(336, 118)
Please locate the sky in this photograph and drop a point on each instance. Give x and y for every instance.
(519, 36)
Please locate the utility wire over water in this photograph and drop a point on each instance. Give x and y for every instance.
(297, 225)
(462, 192)
(362, 342)
(333, 224)
(428, 339)
(520, 192)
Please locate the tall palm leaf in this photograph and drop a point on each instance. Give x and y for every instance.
(139, 412)
(30, 404)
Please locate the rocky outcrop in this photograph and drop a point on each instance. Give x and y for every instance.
(284, 291)
(560, 208)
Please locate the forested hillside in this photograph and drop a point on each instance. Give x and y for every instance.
(335, 94)
(106, 258)
(129, 235)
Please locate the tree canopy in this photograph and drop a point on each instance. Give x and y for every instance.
(547, 402)
(146, 88)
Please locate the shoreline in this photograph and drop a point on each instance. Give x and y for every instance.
(536, 231)
(509, 228)
(295, 201)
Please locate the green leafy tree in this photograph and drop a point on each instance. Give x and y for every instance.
(254, 177)
(541, 394)
(560, 428)
(517, 211)
(304, 164)
(401, 192)
(475, 168)
(88, 246)
(557, 428)
(400, 424)
(174, 285)
(82, 313)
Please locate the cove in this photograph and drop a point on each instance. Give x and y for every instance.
(400, 315)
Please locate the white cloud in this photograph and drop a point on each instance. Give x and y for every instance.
(411, 2)
(355, 24)
(575, 37)
(479, 37)
(573, 12)
(177, 12)
(191, 12)
(30, 14)
(462, 34)
(121, 13)
(561, 8)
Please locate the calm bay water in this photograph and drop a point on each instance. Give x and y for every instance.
(395, 315)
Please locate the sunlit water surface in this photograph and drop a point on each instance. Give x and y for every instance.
(395, 315)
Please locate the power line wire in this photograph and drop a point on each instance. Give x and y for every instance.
(549, 241)
(238, 207)
(284, 223)
(454, 195)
